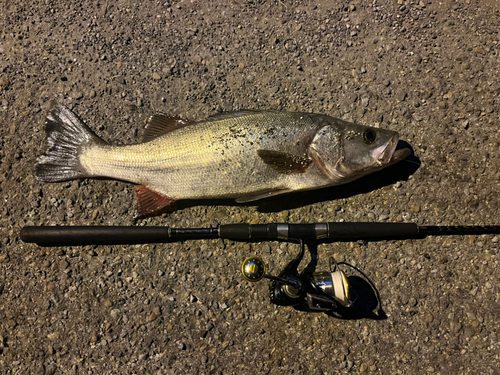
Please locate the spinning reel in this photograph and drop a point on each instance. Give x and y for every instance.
(326, 291)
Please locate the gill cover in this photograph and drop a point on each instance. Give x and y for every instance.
(345, 151)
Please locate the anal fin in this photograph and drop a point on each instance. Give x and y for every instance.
(150, 201)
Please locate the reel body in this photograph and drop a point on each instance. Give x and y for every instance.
(326, 291)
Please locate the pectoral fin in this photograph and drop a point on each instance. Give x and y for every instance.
(283, 162)
(262, 195)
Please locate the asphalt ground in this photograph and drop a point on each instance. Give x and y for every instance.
(427, 69)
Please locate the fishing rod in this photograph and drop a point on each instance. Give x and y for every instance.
(328, 232)
(326, 291)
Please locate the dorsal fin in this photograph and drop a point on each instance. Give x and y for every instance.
(234, 114)
(160, 124)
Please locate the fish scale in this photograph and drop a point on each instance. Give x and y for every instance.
(247, 155)
(180, 163)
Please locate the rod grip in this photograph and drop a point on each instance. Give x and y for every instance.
(93, 235)
(245, 232)
(349, 231)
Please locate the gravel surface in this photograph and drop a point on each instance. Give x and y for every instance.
(427, 69)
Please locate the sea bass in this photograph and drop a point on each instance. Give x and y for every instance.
(246, 155)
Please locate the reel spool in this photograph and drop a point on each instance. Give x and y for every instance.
(334, 284)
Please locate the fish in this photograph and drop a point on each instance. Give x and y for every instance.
(243, 155)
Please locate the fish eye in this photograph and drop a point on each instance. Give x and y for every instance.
(369, 136)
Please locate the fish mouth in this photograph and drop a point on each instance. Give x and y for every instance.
(387, 153)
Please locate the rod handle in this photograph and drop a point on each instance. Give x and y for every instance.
(93, 235)
(349, 231)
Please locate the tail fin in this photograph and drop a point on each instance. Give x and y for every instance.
(67, 135)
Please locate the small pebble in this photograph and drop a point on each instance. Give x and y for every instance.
(156, 313)
(415, 208)
(114, 313)
(457, 327)
(4, 82)
(266, 249)
(227, 106)
(156, 76)
(478, 50)
(339, 257)
(53, 336)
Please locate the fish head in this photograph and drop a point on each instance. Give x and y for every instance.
(346, 151)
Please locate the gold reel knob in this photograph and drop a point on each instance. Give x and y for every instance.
(253, 269)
